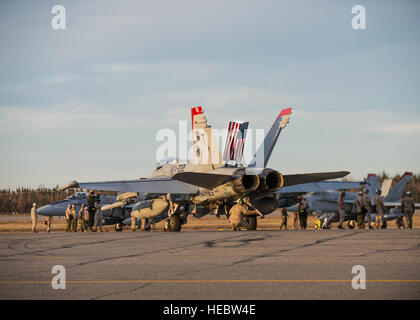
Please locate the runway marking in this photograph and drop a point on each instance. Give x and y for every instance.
(200, 281)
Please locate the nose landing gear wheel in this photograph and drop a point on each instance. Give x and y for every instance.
(252, 223)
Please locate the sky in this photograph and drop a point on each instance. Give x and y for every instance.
(87, 102)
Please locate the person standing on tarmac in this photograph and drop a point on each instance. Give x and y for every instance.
(82, 218)
(73, 218)
(379, 208)
(283, 219)
(98, 218)
(407, 207)
(303, 209)
(48, 221)
(34, 217)
(368, 208)
(358, 203)
(86, 218)
(68, 217)
(341, 209)
(91, 208)
(237, 215)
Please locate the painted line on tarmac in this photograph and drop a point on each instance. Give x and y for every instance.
(202, 281)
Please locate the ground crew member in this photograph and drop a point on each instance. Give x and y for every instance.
(303, 209)
(358, 203)
(368, 208)
(341, 209)
(295, 220)
(237, 215)
(86, 218)
(91, 207)
(82, 218)
(379, 208)
(68, 217)
(73, 218)
(48, 221)
(283, 219)
(34, 217)
(407, 207)
(98, 218)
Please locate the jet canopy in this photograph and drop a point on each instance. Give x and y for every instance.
(78, 195)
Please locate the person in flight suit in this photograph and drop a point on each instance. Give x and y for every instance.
(82, 218)
(359, 205)
(237, 215)
(367, 204)
(341, 209)
(73, 218)
(34, 217)
(303, 209)
(68, 217)
(91, 208)
(283, 219)
(407, 207)
(379, 208)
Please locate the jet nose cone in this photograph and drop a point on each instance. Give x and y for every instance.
(46, 210)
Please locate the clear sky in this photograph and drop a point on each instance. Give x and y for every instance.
(86, 103)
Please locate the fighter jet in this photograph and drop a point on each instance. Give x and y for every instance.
(208, 185)
(324, 204)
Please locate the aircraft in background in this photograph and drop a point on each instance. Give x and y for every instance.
(324, 204)
(208, 185)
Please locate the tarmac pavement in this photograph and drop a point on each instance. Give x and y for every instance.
(212, 264)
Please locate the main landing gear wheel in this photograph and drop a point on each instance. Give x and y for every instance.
(173, 223)
(252, 223)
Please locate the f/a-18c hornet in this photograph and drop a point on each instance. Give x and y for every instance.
(324, 204)
(207, 185)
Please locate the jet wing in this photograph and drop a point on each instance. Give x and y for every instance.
(293, 179)
(319, 186)
(155, 185)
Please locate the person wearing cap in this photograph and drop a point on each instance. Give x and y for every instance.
(341, 209)
(367, 205)
(379, 208)
(303, 209)
(34, 217)
(358, 204)
(237, 215)
(407, 207)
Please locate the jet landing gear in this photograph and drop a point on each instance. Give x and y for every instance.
(252, 223)
(173, 223)
(118, 227)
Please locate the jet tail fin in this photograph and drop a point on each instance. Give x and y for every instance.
(206, 150)
(372, 184)
(396, 191)
(263, 153)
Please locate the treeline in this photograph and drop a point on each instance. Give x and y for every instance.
(20, 200)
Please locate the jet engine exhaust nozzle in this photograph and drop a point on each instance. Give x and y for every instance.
(271, 180)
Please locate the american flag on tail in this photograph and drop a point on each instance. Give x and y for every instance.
(235, 141)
